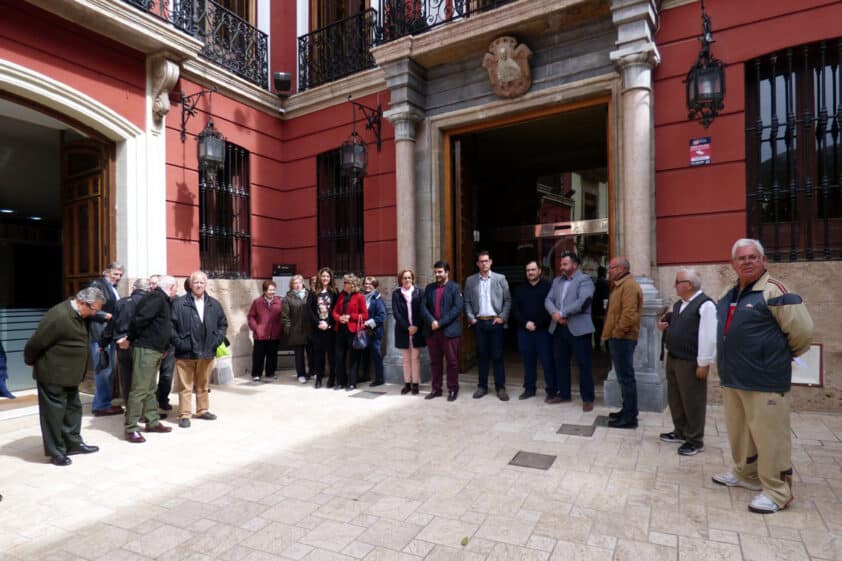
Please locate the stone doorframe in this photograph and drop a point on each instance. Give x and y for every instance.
(433, 163)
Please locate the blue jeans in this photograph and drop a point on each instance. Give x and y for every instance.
(534, 345)
(373, 353)
(104, 378)
(565, 346)
(490, 350)
(622, 357)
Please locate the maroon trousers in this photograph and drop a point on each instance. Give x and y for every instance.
(447, 348)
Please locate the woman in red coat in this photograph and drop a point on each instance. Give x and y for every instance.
(349, 316)
(264, 320)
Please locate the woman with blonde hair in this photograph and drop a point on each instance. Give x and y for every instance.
(295, 316)
(406, 309)
(374, 324)
(349, 316)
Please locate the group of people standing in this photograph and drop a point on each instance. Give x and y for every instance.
(150, 333)
(321, 324)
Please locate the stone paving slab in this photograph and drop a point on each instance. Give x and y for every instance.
(289, 472)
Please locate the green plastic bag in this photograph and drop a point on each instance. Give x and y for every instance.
(222, 351)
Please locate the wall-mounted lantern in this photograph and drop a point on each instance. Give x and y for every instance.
(210, 149)
(706, 80)
(353, 154)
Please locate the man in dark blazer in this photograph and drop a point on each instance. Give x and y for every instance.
(59, 351)
(569, 304)
(442, 313)
(487, 306)
(104, 357)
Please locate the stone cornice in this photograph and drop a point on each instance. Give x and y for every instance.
(478, 29)
(333, 93)
(125, 24)
(232, 86)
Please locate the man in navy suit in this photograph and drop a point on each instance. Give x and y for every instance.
(569, 304)
(442, 313)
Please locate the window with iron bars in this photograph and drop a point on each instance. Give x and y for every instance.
(225, 217)
(340, 216)
(794, 151)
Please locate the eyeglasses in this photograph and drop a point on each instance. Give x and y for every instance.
(681, 281)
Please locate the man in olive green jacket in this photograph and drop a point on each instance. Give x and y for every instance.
(59, 351)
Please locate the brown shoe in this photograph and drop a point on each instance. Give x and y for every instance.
(587, 406)
(158, 427)
(553, 399)
(113, 410)
(135, 437)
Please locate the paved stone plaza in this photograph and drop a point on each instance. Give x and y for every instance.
(288, 472)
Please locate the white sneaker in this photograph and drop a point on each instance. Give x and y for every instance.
(302, 379)
(255, 378)
(730, 480)
(764, 505)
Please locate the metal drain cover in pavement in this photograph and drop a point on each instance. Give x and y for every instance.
(601, 421)
(532, 460)
(367, 394)
(577, 430)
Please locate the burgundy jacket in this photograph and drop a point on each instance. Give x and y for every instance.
(356, 309)
(265, 319)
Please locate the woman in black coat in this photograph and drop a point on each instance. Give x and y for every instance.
(323, 339)
(409, 338)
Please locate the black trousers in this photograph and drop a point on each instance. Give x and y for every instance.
(300, 367)
(264, 353)
(347, 359)
(324, 345)
(124, 372)
(165, 378)
(61, 418)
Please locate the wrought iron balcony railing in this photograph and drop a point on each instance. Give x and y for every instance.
(337, 50)
(228, 40)
(412, 17)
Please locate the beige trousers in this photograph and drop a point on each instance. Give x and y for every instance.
(190, 374)
(411, 365)
(760, 439)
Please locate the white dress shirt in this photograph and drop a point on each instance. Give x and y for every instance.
(200, 307)
(707, 330)
(485, 309)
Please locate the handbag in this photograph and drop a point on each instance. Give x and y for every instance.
(361, 337)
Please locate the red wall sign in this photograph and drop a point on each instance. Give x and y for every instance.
(700, 151)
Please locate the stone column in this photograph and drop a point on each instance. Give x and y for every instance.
(404, 123)
(635, 58)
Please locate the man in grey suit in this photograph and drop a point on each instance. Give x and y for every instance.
(487, 306)
(569, 304)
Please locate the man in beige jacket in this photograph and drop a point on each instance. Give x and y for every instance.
(621, 330)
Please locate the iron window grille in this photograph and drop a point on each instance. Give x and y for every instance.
(340, 216)
(794, 151)
(412, 17)
(225, 217)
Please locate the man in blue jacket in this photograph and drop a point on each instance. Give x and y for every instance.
(569, 304)
(442, 312)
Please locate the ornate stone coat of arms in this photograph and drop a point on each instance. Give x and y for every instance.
(507, 64)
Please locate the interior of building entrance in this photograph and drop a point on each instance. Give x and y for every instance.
(531, 190)
(53, 221)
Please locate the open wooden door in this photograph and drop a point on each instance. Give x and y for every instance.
(85, 218)
(465, 195)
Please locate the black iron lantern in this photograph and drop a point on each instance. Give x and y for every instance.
(353, 157)
(706, 80)
(210, 149)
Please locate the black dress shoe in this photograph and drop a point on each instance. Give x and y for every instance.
(432, 395)
(329, 384)
(415, 389)
(406, 388)
(61, 461)
(165, 406)
(351, 387)
(83, 449)
(375, 383)
(615, 415)
(526, 395)
(480, 393)
(502, 394)
(451, 396)
(318, 384)
(622, 424)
